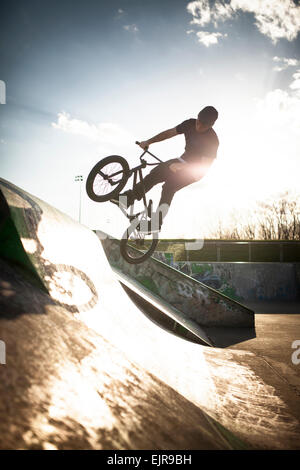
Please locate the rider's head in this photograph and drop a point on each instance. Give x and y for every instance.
(206, 118)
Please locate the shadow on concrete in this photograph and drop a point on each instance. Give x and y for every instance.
(278, 307)
(226, 337)
(220, 337)
(19, 295)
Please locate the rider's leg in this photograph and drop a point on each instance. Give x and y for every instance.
(174, 183)
(159, 174)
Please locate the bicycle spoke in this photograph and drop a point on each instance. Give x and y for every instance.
(109, 176)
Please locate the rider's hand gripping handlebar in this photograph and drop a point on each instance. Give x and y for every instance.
(139, 143)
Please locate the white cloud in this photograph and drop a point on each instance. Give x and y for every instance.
(276, 141)
(280, 107)
(132, 28)
(280, 110)
(203, 13)
(105, 133)
(276, 19)
(208, 39)
(120, 14)
(295, 85)
(284, 63)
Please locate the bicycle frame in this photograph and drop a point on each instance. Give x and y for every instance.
(138, 174)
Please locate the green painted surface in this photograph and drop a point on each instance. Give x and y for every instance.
(230, 292)
(149, 284)
(201, 268)
(11, 249)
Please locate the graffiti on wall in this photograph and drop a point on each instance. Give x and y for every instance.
(197, 302)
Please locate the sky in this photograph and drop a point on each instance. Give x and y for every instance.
(83, 80)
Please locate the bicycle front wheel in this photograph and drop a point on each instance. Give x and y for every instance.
(107, 179)
(136, 245)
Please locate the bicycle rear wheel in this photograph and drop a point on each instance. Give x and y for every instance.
(137, 245)
(107, 179)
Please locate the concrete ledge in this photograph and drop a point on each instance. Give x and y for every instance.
(194, 300)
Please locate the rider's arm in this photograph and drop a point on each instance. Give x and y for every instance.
(160, 137)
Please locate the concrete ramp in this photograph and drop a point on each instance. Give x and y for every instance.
(244, 398)
(46, 241)
(66, 387)
(197, 302)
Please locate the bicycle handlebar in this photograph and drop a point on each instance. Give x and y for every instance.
(146, 150)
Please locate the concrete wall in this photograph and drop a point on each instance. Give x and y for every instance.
(248, 281)
(195, 301)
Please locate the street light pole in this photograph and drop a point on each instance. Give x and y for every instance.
(80, 179)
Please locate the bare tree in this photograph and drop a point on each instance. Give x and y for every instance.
(275, 219)
(280, 219)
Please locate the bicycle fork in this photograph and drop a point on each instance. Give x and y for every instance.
(140, 221)
(138, 173)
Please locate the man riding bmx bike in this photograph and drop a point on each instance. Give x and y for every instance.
(200, 151)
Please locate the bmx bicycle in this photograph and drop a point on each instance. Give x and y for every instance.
(105, 182)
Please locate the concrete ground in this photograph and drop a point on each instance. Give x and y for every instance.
(275, 335)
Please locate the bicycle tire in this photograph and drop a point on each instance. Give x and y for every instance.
(95, 191)
(133, 255)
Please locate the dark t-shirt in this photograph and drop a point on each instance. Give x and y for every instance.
(197, 144)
